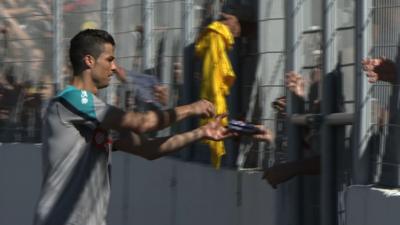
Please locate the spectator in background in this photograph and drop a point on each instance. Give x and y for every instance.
(30, 115)
(310, 165)
(10, 97)
(28, 25)
(380, 69)
(143, 88)
(46, 90)
(3, 113)
(383, 69)
(23, 29)
(15, 28)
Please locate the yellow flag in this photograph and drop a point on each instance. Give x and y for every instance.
(217, 76)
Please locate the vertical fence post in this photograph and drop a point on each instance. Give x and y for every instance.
(188, 17)
(148, 23)
(292, 203)
(107, 8)
(361, 136)
(187, 67)
(58, 45)
(328, 153)
(187, 61)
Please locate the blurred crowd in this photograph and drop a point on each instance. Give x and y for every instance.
(26, 80)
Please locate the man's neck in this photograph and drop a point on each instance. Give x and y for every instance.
(84, 82)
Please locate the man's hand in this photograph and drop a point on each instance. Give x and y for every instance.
(265, 134)
(202, 108)
(214, 130)
(295, 83)
(379, 69)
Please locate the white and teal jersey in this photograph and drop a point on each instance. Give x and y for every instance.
(76, 158)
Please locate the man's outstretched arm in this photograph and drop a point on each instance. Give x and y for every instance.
(139, 122)
(157, 147)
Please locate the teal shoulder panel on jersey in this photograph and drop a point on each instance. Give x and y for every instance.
(81, 101)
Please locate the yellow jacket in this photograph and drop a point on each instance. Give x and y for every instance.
(218, 75)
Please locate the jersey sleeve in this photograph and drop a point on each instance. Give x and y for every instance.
(101, 108)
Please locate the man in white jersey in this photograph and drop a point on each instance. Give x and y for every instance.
(76, 141)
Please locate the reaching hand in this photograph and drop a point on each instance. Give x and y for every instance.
(161, 94)
(178, 72)
(379, 69)
(203, 108)
(232, 22)
(278, 174)
(265, 135)
(214, 130)
(120, 73)
(280, 105)
(295, 83)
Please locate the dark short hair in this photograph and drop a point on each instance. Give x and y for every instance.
(87, 42)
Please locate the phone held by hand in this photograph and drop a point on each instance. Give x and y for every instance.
(243, 127)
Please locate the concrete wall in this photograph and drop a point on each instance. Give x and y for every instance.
(162, 192)
(367, 205)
